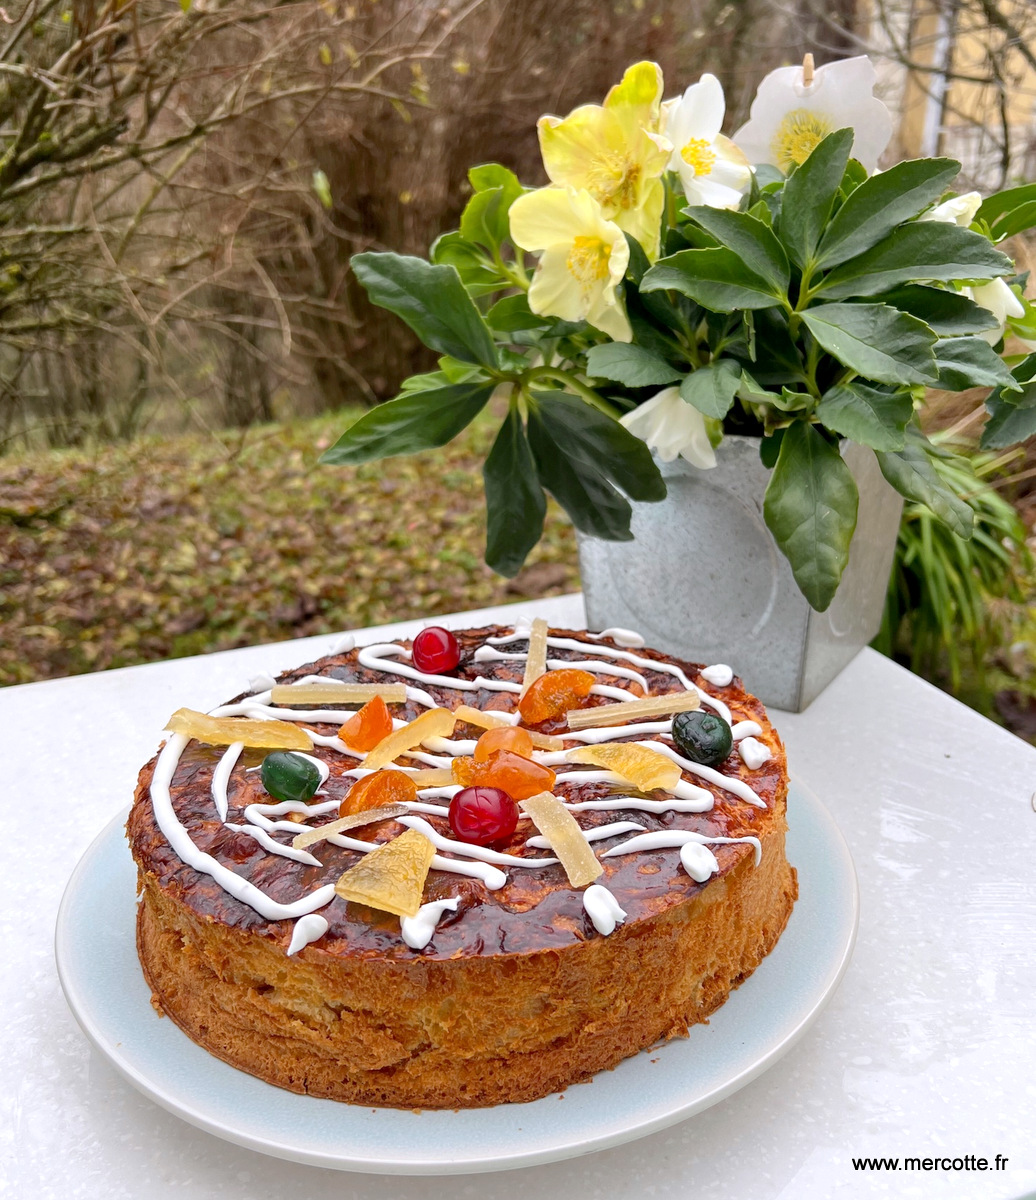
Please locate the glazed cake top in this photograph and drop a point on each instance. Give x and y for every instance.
(508, 907)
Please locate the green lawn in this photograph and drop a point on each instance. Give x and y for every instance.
(163, 548)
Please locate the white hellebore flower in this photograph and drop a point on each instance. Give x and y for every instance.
(789, 116)
(671, 426)
(994, 295)
(712, 169)
(584, 257)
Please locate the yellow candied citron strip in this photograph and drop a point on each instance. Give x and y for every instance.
(645, 769)
(337, 693)
(566, 839)
(311, 836)
(224, 731)
(392, 876)
(436, 722)
(633, 710)
(536, 659)
(433, 777)
(491, 720)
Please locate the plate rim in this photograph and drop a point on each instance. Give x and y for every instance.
(363, 1163)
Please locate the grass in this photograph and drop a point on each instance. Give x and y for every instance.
(164, 548)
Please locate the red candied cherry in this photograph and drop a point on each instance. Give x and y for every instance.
(483, 815)
(435, 650)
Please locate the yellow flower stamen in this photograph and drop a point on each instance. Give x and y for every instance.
(699, 155)
(797, 136)
(613, 181)
(587, 261)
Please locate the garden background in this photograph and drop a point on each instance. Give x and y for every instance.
(182, 184)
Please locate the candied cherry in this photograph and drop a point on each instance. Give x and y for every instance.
(435, 650)
(507, 737)
(704, 737)
(381, 787)
(554, 693)
(289, 776)
(365, 729)
(519, 777)
(483, 815)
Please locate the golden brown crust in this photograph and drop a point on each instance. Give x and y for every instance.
(516, 997)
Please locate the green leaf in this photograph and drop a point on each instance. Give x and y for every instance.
(432, 301)
(1009, 423)
(809, 195)
(967, 362)
(717, 279)
(515, 504)
(583, 457)
(876, 341)
(944, 312)
(712, 388)
(629, 364)
(919, 250)
(512, 314)
(881, 203)
(479, 277)
(639, 261)
(862, 413)
(810, 507)
(493, 175)
(1010, 211)
(414, 421)
(485, 218)
(911, 473)
(751, 240)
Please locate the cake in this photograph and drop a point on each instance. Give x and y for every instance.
(511, 982)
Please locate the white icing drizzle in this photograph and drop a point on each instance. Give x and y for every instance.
(683, 790)
(592, 835)
(221, 777)
(344, 644)
(185, 849)
(610, 733)
(666, 839)
(621, 637)
(319, 763)
(639, 804)
(602, 908)
(489, 654)
(307, 929)
(647, 664)
(491, 876)
(418, 931)
(261, 682)
(745, 729)
(274, 847)
(736, 786)
(468, 850)
(442, 745)
(259, 814)
(719, 675)
(698, 861)
(372, 658)
(753, 753)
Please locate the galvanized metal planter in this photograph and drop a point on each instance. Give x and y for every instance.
(704, 580)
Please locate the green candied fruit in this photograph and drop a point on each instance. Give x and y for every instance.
(289, 776)
(702, 736)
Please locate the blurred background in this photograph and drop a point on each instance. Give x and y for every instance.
(182, 184)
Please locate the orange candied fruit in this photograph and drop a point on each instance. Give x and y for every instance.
(553, 694)
(376, 789)
(519, 777)
(507, 737)
(369, 726)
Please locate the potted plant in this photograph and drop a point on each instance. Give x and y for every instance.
(677, 307)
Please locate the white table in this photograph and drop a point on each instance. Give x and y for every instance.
(927, 1049)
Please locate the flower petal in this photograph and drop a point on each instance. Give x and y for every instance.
(551, 215)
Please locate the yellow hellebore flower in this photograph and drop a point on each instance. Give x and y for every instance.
(584, 258)
(616, 152)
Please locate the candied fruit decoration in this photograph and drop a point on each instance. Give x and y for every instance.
(518, 777)
(536, 659)
(289, 776)
(374, 791)
(225, 731)
(506, 737)
(492, 720)
(436, 722)
(372, 724)
(435, 650)
(566, 839)
(310, 837)
(333, 692)
(554, 693)
(392, 876)
(483, 816)
(704, 737)
(645, 769)
(633, 710)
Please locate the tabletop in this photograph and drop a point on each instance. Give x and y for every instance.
(927, 1048)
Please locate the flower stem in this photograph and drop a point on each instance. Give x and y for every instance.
(568, 380)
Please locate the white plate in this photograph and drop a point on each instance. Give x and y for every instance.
(102, 980)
